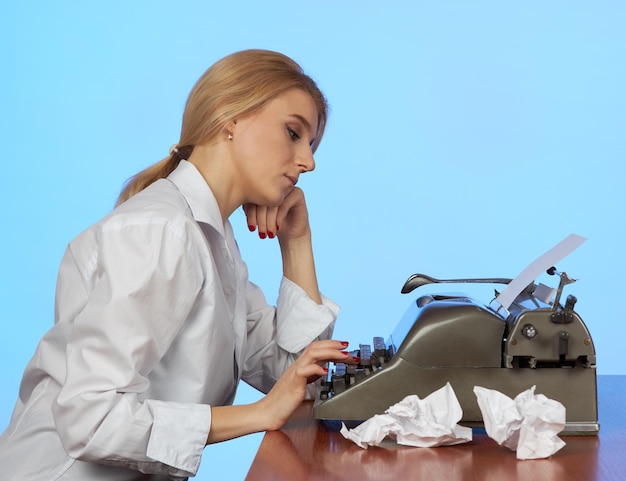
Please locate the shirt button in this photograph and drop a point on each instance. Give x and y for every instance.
(228, 291)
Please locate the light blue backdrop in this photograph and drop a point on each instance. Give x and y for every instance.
(465, 139)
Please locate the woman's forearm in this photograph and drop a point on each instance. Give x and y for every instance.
(299, 265)
(228, 422)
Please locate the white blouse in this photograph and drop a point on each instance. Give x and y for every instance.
(155, 321)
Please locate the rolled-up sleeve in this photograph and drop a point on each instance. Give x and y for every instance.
(277, 335)
(178, 435)
(300, 320)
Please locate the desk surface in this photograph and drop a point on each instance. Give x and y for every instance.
(306, 449)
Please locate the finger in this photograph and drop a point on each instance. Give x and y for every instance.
(311, 371)
(261, 216)
(270, 221)
(329, 343)
(324, 354)
(327, 350)
(250, 210)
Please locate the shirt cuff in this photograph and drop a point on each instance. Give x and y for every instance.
(179, 435)
(301, 320)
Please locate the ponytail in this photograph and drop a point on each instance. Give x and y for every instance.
(160, 170)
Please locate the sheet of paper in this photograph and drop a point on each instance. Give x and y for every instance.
(537, 267)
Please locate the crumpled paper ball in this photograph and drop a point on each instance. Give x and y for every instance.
(528, 424)
(427, 422)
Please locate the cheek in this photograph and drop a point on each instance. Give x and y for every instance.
(258, 144)
(270, 152)
(247, 149)
(262, 149)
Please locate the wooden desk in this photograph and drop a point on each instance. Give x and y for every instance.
(306, 449)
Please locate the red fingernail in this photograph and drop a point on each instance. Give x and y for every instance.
(251, 227)
(277, 228)
(262, 235)
(270, 235)
(345, 353)
(325, 369)
(356, 359)
(344, 343)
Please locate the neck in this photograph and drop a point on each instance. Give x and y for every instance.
(218, 174)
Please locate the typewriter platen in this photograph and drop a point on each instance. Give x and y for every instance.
(453, 338)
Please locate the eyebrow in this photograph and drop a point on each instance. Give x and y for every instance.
(306, 123)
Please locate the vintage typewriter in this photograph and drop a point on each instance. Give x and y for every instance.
(454, 338)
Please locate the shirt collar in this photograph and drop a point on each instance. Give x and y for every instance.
(198, 195)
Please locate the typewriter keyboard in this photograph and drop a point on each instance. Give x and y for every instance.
(343, 376)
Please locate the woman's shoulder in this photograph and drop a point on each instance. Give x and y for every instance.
(151, 229)
(160, 198)
(159, 207)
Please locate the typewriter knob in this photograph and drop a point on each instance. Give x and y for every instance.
(529, 331)
(570, 303)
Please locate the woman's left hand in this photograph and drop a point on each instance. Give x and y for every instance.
(289, 220)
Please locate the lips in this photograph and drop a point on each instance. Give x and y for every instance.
(294, 180)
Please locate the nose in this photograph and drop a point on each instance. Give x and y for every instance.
(306, 162)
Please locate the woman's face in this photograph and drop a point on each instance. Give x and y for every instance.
(272, 147)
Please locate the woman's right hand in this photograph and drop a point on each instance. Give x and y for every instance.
(272, 411)
(289, 391)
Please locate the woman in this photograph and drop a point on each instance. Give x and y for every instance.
(155, 319)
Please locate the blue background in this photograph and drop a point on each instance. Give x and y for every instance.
(465, 139)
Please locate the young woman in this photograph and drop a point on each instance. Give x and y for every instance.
(156, 321)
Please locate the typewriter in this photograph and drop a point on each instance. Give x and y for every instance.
(454, 338)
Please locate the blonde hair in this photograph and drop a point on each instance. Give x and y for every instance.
(237, 85)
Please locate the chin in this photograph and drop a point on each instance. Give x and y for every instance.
(278, 200)
(274, 200)
(277, 203)
(270, 202)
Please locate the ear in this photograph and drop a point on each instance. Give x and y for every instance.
(229, 129)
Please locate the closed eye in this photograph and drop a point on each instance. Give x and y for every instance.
(293, 134)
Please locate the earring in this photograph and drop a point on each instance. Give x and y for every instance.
(230, 136)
